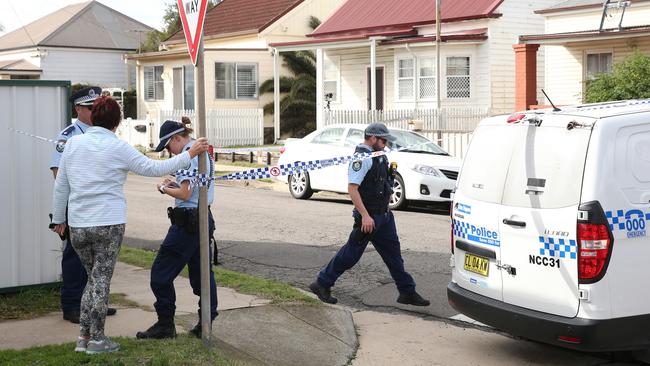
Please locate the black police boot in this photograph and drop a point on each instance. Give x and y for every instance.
(412, 298)
(71, 316)
(164, 328)
(111, 311)
(323, 293)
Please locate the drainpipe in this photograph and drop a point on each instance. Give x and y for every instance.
(373, 74)
(276, 95)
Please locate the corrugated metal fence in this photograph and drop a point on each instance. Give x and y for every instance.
(225, 127)
(451, 128)
(31, 253)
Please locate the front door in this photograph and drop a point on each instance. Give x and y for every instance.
(379, 87)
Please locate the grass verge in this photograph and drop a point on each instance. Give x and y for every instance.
(29, 303)
(277, 292)
(184, 350)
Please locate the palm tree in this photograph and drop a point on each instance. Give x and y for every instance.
(298, 105)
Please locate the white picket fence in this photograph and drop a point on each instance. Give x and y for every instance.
(451, 128)
(225, 127)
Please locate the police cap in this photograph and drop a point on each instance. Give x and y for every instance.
(167, 131)
(379, 129)
(86, 96)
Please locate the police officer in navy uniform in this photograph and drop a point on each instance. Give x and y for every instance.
(73, 274)
(370, 183)
(181, 245)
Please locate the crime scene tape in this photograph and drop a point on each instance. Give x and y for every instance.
(60, 145)
(197, 179)
(284, 169)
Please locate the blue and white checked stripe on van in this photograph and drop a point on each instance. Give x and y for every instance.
(616, 221)
(558, 248)
(460, 229)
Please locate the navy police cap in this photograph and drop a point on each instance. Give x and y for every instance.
(86, 96)
(380, 130)
(167, 131)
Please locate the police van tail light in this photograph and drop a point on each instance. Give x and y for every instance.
(595, 242)
(593, 250)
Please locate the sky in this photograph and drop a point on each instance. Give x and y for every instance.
(16, 13)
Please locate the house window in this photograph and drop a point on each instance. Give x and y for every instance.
(598, 63)
(188, 87)
(236, 80)
(406, 78)
(458, 85)
(331, 77)
(154, 86)
(427, 78)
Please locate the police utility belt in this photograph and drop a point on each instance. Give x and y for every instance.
(184, 217)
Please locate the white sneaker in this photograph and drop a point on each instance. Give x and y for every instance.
(82, 344)
(103, 346)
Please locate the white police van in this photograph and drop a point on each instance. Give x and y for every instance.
(549, 226)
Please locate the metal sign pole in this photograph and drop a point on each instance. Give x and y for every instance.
(206, 316)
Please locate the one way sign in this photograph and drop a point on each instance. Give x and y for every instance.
(192, 14)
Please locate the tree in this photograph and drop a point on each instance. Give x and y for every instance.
(171, 24)
(629, 79)
(298, 104)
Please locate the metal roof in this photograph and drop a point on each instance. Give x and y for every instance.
(85, 25)
(595, 34)
(237, 16)
(361, 16)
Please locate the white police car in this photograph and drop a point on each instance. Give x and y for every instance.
(425, 171)
(549, 226)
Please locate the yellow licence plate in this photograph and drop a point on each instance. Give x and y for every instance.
(477, 264)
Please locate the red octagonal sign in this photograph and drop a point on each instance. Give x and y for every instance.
(192, 14)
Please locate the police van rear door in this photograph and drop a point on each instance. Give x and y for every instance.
(538, 217)
(476, 209)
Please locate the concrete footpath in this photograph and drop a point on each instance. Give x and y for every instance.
(248, 328)
(254, 332)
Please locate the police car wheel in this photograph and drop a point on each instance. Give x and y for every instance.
(299, 186)
(398, 198)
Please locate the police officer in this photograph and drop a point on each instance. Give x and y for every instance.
(181, 245)
(72, 271)
(370, 187)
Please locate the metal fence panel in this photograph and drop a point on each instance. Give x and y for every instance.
(31, 253)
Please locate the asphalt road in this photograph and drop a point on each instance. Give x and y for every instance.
(267, 233)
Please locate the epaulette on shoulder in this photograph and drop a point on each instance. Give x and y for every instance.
(68, 130)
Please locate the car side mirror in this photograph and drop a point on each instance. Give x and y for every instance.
(140, 128)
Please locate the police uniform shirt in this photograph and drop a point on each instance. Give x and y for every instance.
(77, 128)
(193, 201)
(358, 169)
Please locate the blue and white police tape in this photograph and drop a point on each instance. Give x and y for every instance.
(60, 145)
(283, 169)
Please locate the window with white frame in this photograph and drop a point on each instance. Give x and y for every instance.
(234, 80)
(427, 77)
(331, 77)
(154, 85)
(458, 82)
(598, 63)
(405, 78)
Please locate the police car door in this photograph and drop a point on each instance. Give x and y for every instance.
(476, 209)
(538, 218)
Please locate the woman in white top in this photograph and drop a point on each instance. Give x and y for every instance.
(90, 182)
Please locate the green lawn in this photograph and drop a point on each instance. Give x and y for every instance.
(184, 350)
(277, 292)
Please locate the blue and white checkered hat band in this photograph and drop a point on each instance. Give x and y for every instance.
(85, 99)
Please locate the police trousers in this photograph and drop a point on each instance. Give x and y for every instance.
(180, 248)
(387, 244)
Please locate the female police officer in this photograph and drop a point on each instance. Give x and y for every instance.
(181, 245)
